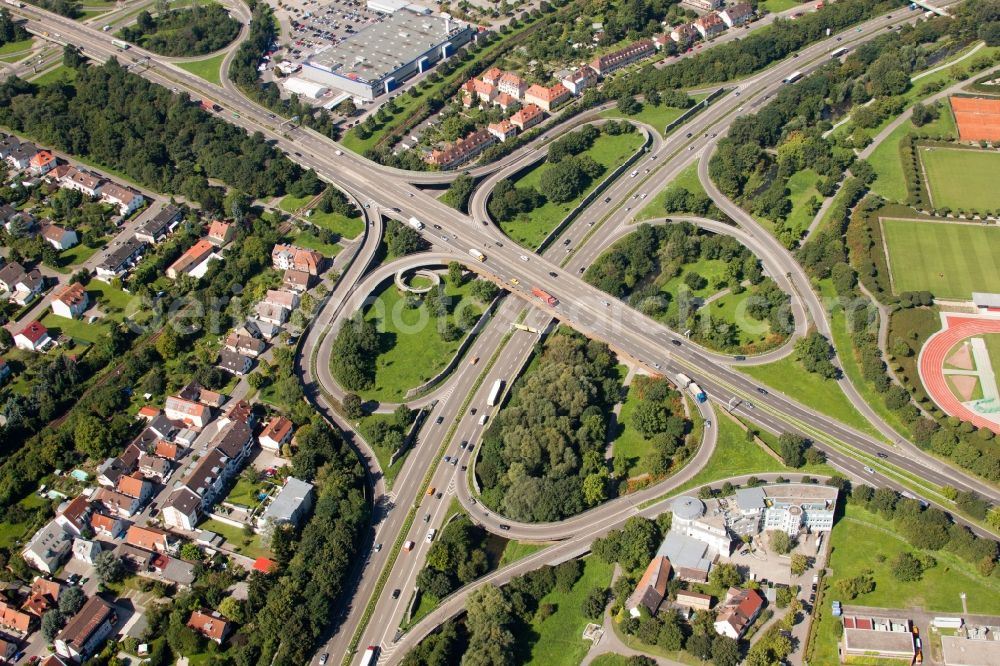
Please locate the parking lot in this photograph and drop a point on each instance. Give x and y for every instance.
(312, 26)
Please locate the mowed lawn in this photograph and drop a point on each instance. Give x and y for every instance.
(207, 68)
(658, 116)
(962, 179)
(531, 229)
(951, 260)
(559, 639)
(414, 350)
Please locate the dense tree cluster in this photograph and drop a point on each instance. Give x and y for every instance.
(67, 8)
(401, 239)
(142, 130)
(508, 201)
(10, 30)
(928, 528)
(658, 416)
(190, 31)
(456, 558)
(459, 192)
(815, 353)
(542, 448)
(353, 354)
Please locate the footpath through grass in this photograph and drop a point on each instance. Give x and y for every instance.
(207, 68)
(558, 639)
(825, 395)
(862, 540)
(531, 229)
(948, 259)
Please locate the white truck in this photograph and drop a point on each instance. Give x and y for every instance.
(416, 224)
(477, 255)
(682, 380)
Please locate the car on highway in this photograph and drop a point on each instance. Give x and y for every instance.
(454, 461)
(762, 391)
(869, 469)
(465, 467)
(439, 495)
(739, 358)
(748, 404)
(378, 547)
(567, 241)
(430, 535)
(883, 456)
(474, 360)
(524, 257)
(515, 281)
(437, 226)
(473, 411)
(607, 199)
(325, 658)
(430, 491)
(505, 528)
(676, 343)
(553, 274)
(447, 459)
(427, 517)
(408, 546)
(464, 444)
(708, 423)
(634, 174)
(396, 593)
(483, 419)
(439, 420)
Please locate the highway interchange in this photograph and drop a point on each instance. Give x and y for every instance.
(503, 350)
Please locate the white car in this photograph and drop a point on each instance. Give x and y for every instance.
(430, 535)
(524, 257)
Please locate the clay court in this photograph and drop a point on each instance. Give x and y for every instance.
(978, 118)
(955, 381)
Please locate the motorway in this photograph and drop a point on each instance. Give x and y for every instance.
(634, 336)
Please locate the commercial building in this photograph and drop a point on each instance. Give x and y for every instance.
(691, 520)
(380, 57)
(299, 86)
(964, 651)
(703, 5)
(789, 507)
(292, 502)
(880, 638)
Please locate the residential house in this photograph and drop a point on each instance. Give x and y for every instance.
(196, 392)
(53, 660)
(86, 551)
(82, 181)
(244, 344)
(527, 117)
(234, 363)
(580, 79)
(150, 538)
(156, 229)
(15, 621)
(173, 570)
(87, 630)
(48, 547)
(210, 624)
(107, 525)
(606, 64)
(121, 259)
(71, 301)
(234, 441)
(709, 25)
(135, 486)
(148, 412)
(117, 503)
(289, 506)
(221, 233)
(259, 328)
(44, 595)
(652, 587)
(547, 98)
(277, 432)
(660, 41)
(512, 84)
(273, 314)
(8, 648)
(155, 467)
(285, 257)
(736, 15)
(125, 199)
(296, 280)
(241, 411)
(182, 509)
(19, 156)
(32, 337)
(737, 612)
(192, 414)
(484, 92)
(462, 150)
(74, 515)
(286, 299)
(502, 130)
(492, 75)
(24, 286)
(41, 162)
(683, 34)
(59, 237)
(506, 102)
(194, 261)
(166, 450)
(703, 5)
(112, 469)
(198, 491)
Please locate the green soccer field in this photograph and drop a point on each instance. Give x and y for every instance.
(950, 260)
(962, 179)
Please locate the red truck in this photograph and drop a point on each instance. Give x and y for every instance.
(545, 296)
(209, 106)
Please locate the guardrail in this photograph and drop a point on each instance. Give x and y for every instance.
(693, 111)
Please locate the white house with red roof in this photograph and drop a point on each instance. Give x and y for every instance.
(60, 237)
(41, 162)
(547, 98)
(71, 301)
(277, 432)
(33, 337)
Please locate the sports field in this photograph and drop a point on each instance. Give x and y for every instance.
(950, 260)
(962, 179)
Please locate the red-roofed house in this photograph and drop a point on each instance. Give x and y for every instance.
(278, 431)
(578, 81)
(502, 130)
(605, 64)
(527, 117)
(505, 101)
(8, 649)
(134, 485)
(149, 538)
(209, 624)
(41, 162)
(74, 516)
(683, 34)
(652, 587)
(192, 259)
(149, 412)
(738, 612)
(165, 449)
(462, 150)
(264, 565)
(102, 523)
(87, 630)
(492, 75)
(512, 84)
(285, 257)
(547, 98)
(486, 92)
(709, 25)
(71, 301)
(193, 414)
(220, 232)
(14, 620)
(32, 337)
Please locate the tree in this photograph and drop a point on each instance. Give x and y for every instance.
(724, 576)
(71, 600)
(815, 352)
(483, 291)
(456, 273)
(191, 552)
(108, 567)
(791, 448)
(906, 568)
(567, 574)
(459, 192)
(233, 609)
(650, 418)
(93, 437)
(799, 564)
(353, 406)
(780, 542)
(725, 651)
(52, 622)
(594, 603)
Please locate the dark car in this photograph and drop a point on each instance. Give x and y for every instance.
(762, 391)
(395, 593)
(505, 528)
(553, 274)
(739, 358)
(464, 443)
(675, 343)
(439, 420)
(881, 455)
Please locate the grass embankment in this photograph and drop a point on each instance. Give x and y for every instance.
(686, 179)
(657, 116)
(531, 229)
(206, 68)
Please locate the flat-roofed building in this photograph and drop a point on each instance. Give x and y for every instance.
(880, 638)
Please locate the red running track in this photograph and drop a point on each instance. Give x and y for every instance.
(932, 358)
